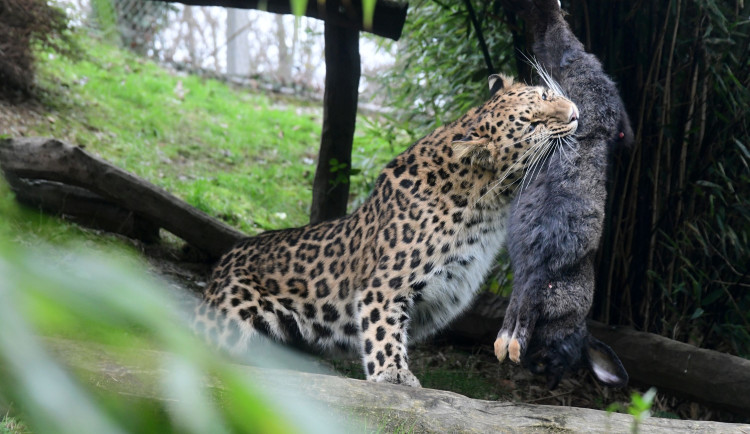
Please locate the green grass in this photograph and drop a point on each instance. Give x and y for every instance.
(11, 425)
(245, 157)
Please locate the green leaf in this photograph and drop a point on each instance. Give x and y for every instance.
(298, 7)
(368, 12)
(698, 312)
(742, 147)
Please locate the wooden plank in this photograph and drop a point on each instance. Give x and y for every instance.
(388, 19)
(710, 377)
(82, 207)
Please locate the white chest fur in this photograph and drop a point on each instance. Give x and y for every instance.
(453, 283)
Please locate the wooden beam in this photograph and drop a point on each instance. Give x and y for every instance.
(388, 20)
(331, 188)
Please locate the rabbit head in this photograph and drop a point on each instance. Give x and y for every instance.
(552, 354)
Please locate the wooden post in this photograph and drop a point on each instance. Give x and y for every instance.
(331, 189)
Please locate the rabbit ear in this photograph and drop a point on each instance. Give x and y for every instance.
(604, 363)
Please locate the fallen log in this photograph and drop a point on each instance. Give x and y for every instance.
(419, 410)
(82, 207)
(108, 190)
(706, 376)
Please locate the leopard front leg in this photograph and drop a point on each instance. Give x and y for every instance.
(384, 320)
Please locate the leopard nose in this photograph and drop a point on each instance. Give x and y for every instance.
(573, 114)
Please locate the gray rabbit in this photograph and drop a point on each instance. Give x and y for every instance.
(556, 223)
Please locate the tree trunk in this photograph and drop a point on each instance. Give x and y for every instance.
(331, 184)
(53, 160)
(396, 407)
(238, 49)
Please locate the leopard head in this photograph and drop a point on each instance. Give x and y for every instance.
(517, 127)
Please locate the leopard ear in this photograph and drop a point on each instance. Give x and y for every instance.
(499, 81)
(475, 150)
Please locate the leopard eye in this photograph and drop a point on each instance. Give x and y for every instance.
(533, 126)
(544, 96)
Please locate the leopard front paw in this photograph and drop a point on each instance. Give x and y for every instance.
(397, 376)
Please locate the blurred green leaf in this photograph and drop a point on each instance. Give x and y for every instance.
(368, 12)
(71, 294)
(298, 7)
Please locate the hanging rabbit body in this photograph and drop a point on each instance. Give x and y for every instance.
(556, 223)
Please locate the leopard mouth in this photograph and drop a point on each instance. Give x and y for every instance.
(564, 130)
(567, 125)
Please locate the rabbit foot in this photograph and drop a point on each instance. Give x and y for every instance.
(501, 347)
(514, 350)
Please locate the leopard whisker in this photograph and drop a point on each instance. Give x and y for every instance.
(536, 158)
(533, 149)
(544, 75)
(539, 163)
(528, 176)
(563, 155)
(569, 142)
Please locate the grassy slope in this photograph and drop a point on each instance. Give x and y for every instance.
(243, 156)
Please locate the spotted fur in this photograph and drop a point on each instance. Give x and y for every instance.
(409, 259)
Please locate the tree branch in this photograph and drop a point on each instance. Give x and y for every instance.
(480, 36)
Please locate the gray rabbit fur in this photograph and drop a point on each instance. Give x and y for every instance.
(556, 223)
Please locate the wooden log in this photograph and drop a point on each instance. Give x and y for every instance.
(53, 160)
(707, 376)
(82, 207)
(710, 377)
(395, 406)
(388, 19)
(331, 188)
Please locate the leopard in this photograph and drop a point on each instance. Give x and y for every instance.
(409, 259)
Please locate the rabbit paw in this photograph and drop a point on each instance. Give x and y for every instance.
(501, 346)
(515, 350)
